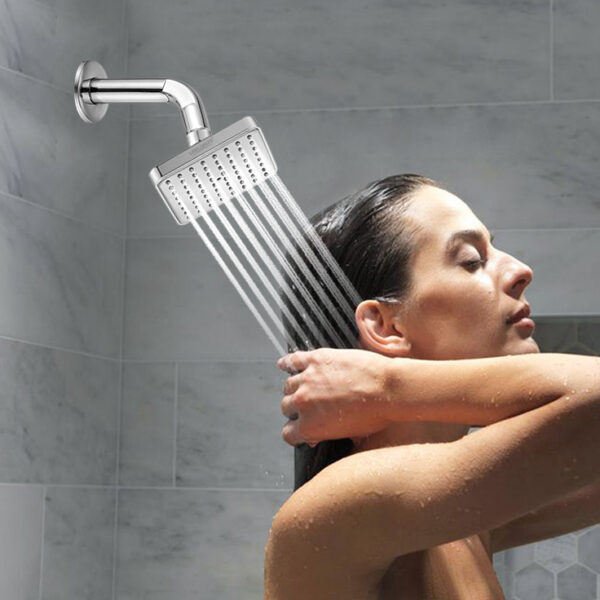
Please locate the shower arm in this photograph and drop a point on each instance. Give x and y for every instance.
(94, 92)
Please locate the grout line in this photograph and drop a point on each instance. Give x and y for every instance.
(47, 83)
(59, 348)
(123, 306)
(115, 544)
(175, 423)
(551, 50)
(192, 236)
(142, 487)
(61, 214)
(42, 542)
(375, 108)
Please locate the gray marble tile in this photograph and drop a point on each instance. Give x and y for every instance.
(78, 544)
(557, 553)
(576, 583)
(534, 583)
(147, 424)
(229, 426)
(49, 156)
(48, 39)
(267, 55)
(21, 532)
(589, 549)
(181, 306)
(58, 416)
(553, 335)
(576, 66)
(564, 267)
(190, 544)
(526, 166)
(588, 333)
(61, 280)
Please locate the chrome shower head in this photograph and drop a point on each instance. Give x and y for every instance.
(219, 168)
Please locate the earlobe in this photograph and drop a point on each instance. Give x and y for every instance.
(379, 329)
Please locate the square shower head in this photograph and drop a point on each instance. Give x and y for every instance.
(219, 168)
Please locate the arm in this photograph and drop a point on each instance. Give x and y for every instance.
(369, 508)
(347, 393)
(482, 391)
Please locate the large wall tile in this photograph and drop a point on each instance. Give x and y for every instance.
(21, 534)
(265, 55)
(229, 426)
(49, 156)
(576, 65)
(526, 166)
(78, 544)
(47, 40)
(190, 544)
(181, 306)
(565, 272)
(147, 424)
(58, 416)
(61, 280)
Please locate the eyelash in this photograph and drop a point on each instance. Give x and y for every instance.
(472, 263)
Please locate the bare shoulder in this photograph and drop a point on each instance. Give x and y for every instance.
(309, 552)
(358, 515)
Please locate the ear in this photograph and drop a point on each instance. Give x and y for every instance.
(380, 329)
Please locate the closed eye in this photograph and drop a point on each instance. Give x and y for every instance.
(475, 263)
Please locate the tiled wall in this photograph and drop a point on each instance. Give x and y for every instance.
(62, 242)
(159, 480)
(491, 98)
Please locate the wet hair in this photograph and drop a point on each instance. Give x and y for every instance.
(373, 241)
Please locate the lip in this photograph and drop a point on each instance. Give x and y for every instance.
(522, 313)
(524, 322)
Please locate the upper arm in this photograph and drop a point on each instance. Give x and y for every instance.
(572, 512)
(374, 506)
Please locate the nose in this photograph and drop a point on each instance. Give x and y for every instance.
(518, 276)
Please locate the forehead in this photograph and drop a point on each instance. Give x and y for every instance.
(438, 214)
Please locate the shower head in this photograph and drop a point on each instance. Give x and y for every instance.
(216, 169)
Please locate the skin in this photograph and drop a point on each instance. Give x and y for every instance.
(454, 311)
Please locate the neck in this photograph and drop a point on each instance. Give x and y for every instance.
(399, 434)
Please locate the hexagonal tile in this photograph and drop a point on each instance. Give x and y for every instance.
(588, 333)
(576, 583)
(589, 549)
(557, 553)
(534, 583)
(553, 335)
(519, 557)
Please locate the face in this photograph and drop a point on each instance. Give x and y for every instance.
(464, 293)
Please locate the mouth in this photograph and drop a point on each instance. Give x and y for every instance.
(521, 318)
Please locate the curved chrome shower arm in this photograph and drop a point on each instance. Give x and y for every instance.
(93, 93)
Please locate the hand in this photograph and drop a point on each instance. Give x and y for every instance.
(334, 394)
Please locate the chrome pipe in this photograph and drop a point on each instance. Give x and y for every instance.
(94, 92)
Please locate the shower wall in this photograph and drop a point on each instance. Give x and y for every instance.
(495, 99)
(140, 448)
(62, 228)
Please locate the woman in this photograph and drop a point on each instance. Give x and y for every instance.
(414, 508)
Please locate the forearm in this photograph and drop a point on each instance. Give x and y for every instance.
(482, 391)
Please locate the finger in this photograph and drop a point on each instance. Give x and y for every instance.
(288, 408)
(290, 434)
(292, 383)
(295, 362)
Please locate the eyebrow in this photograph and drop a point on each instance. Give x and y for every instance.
(468, 235)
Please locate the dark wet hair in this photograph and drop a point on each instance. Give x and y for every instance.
(369, 236)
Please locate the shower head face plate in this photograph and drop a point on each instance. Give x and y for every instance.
(215, 170)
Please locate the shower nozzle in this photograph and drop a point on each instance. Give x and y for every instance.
(94, 92)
